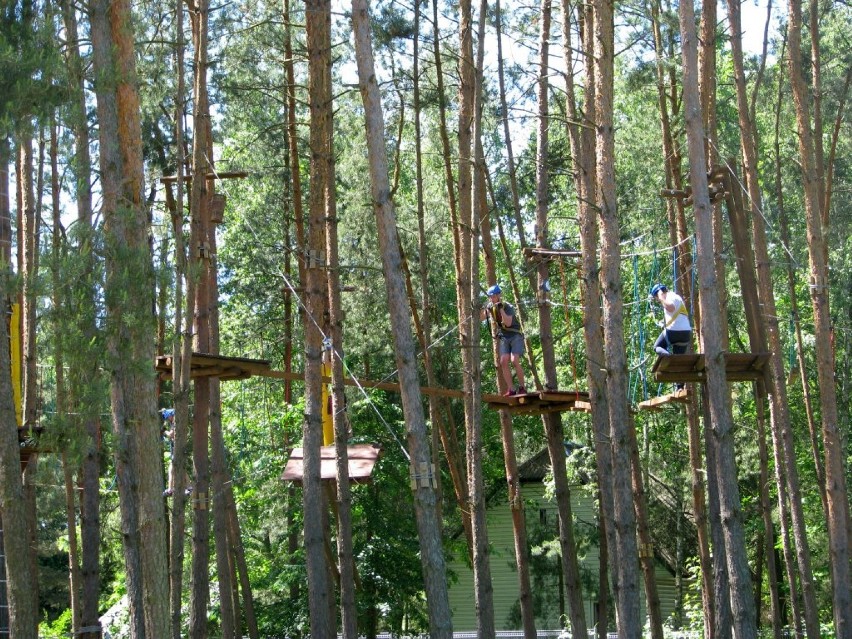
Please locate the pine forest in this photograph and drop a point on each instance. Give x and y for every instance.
(425, 319)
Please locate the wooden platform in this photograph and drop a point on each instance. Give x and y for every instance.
(739, 367)
(657, 403)
(362, 459)
(207, 365)
(532, 253)
(27, 439)
(540, 402)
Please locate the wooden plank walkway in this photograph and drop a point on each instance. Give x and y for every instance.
(362, 459)
(539, 402)
(657, 403)
(691, 367)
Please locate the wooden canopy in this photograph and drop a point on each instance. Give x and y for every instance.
(540, 402)
(207, 365)
(739, 367)
(362, 459)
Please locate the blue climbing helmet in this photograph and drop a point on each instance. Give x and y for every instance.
(656, 288)
(494, 290)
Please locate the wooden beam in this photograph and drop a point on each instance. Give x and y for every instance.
(534, 253)
(218, 175)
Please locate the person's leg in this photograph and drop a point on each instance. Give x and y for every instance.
(680, 341)
(661, 346)
(519, 370)
(506, 371)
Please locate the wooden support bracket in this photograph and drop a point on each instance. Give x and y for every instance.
(423, 476)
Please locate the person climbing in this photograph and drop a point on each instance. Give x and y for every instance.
(676, 335)
(511, 346)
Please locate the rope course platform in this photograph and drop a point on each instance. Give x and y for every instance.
(532, 253)
(540, 402)
(29, 444)
(657, 403)
(362, 460)
(207, 365)
(739, 367)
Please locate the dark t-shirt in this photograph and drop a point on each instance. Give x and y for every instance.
(513, 328)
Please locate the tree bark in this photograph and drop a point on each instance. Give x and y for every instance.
(84, 370)
(716, 387)
(15, 536)
(345, 553)
(200, 256)
(428, 526)
(59, 349)
(624, 522)
(770, 341)
(553, 421)
(647, 557)
(130, 338)
(836, 490)
(510, 460)
(320, 589)
(181, 349)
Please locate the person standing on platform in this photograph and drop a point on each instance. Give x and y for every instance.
(511, 346)
(676, 335)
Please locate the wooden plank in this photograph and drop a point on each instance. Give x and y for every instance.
(562, 396)
(362, 460)
(532, 253)
(691, 367)
(540, 409)
(657, 403)
(208, 365)
(217, 175)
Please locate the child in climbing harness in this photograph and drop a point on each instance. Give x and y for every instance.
(511, 346)
(676, 335)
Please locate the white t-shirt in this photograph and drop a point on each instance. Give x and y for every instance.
(678, 320)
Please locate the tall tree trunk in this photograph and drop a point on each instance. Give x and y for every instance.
(716, 387)
(835, 477)
(553, 421)
(467, 233)
(200, 256)
(60, 347)
(181, 348)
(30, 215)
(445, 138)
(782, 432)
(20, 584)
(295, 183)
(678, 233)
(624, 522)
(440, 436)
(428, 526)
(29, 232)
(758, 344)
(582, 139)
(345, 553)
(84, 370)
(220, 477)
(320, 589)
(507, 137)
(647, 558)
(507, 436)
(130, 338)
